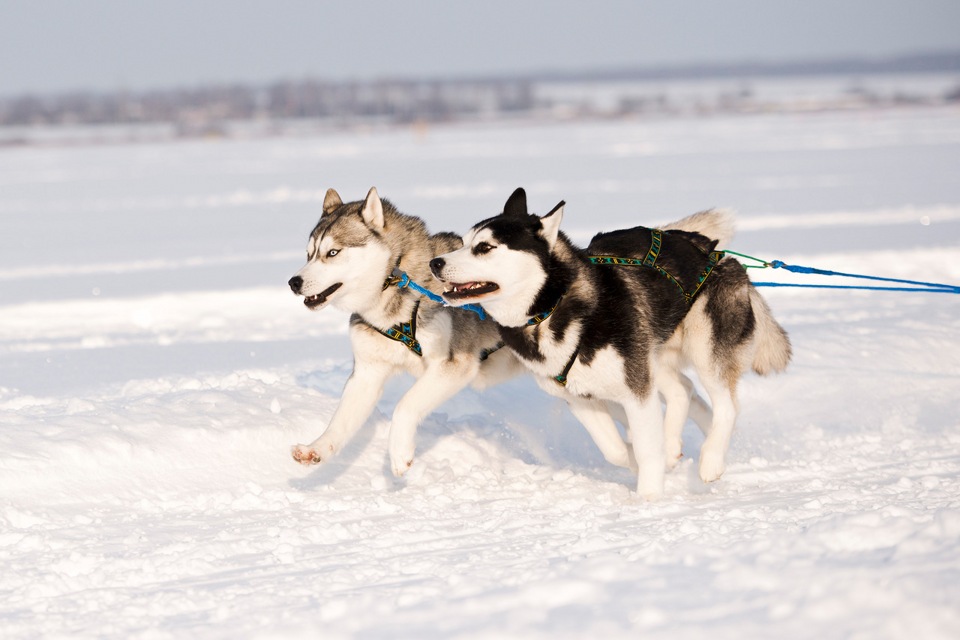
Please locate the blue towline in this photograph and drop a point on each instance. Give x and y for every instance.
(916, 285)
(405, 282)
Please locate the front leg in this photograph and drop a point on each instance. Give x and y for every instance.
(646, 435)
(595, 417)
(438, 384)
(360, 396)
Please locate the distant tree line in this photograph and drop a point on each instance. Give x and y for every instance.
(203, 110)
(397, 101)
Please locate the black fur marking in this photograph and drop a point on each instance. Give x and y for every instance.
(629, 309)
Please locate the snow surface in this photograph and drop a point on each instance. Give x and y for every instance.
(154, 371)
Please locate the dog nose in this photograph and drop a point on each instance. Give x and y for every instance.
(436, 265)
(296, 283)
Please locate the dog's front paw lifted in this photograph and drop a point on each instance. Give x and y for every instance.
(311, 455)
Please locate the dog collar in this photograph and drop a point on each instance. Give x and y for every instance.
(395, 275)
(540, 317)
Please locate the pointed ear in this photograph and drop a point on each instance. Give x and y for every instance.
(516, 203)
(331, 201)
(373, 210)
(551, 224)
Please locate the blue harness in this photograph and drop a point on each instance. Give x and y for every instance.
(406, 332)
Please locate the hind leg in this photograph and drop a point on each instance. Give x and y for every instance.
(714, 450)
(595, 418)
(682, 401)
(700, 412)
(676, 390)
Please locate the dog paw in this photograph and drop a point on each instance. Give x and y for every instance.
(400, 466)
(311, 455)
(674, 453)
(712, 466)
(650, 483)
(401, 455)
(622, 458)
(650, 493)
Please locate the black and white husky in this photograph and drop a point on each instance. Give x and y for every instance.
(352, 255)
(619, 321)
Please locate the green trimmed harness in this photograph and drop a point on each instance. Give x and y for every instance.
(535, 320)
(650, 261)
(403, 332)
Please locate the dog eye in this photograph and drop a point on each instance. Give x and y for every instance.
(332, 252)
(482, 248)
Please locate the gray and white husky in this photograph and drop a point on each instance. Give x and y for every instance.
(351, 257)
(352, 254)
(619, 321)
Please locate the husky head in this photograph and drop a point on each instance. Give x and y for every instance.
(347, 259)
(504, 261)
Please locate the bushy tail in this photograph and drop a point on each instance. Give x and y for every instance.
(773, 346)
(716, 224)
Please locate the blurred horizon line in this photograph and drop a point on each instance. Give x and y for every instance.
(934, 61)
(286, 107)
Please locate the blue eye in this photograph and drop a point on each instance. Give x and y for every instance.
(332, 252)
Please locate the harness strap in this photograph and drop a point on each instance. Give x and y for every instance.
(562, 378)
(656, 242)
(540, 317)
(405, 332)
(650, 261)
(402, 280)
(712, 260)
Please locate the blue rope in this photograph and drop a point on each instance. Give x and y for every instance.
(931, 287)
(840, 286)
(406, 282)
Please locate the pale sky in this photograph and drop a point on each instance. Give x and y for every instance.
(62, 45)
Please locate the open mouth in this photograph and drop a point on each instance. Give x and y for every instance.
(464, 290)
(320, 299)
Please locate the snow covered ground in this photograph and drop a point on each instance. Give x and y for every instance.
(154, 371)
